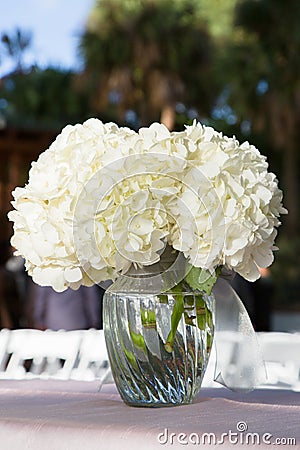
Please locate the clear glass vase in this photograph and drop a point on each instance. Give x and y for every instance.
(156, 359)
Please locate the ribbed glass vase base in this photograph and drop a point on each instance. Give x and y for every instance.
(149, 365)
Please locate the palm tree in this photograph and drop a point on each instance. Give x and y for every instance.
(16, 44)
(145, 56)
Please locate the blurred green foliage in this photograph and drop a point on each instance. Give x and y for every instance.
(42, 99)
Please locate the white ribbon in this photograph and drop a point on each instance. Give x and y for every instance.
(239, 364)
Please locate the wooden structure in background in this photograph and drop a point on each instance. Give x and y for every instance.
(18, 148)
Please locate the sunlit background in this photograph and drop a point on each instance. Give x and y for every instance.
(54, 26)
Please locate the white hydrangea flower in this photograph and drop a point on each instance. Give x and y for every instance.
(103, 197)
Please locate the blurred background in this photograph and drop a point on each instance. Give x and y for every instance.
(231, 64)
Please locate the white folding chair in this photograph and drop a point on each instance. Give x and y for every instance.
(93, 362)
(44, 354)
(281, 353)
(4, 337)
(18, 351)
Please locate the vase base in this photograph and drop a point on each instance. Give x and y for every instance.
(155, 405)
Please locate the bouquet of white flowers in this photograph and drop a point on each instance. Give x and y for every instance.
(103, 203)
(102, 198)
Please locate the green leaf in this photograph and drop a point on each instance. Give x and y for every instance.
(138, 340)
(131, 358)
(201, 279)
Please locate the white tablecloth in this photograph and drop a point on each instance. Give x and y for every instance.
(70, 415)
